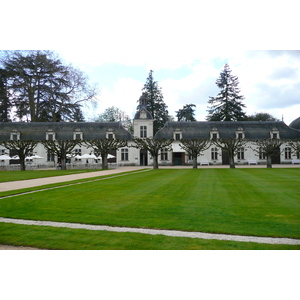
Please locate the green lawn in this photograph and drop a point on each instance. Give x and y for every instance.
(260, 202)
(6, 176)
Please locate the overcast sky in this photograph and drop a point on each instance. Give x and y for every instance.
(117, 43)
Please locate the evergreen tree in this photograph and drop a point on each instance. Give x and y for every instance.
(187, 113)
(5, 105)
(227, 105)
(43, 88)
(153, 98)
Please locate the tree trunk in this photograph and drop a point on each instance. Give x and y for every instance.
(195, 166)
(231, 162)
(155, 162)
(22, 165)
(269, 161)
(63, 163)
(104, 161)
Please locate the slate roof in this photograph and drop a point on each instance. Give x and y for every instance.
(138, 113)
(63, 130)
(252, 129)
(296, 124)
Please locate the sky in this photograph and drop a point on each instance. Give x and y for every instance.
(117, 43)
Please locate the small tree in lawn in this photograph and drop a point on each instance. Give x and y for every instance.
(153, 146)
(101, 147)
(227, 105)
(232, 146)
(268, 147)
(22, 147)
(194, 147)
(61, 148)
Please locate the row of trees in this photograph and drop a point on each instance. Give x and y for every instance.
(226, 106)
(37, 86)
(63, 149)
(267, 147)
(193, 147)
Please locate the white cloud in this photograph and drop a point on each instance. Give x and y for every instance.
(124, 95)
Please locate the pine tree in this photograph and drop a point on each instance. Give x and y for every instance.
(227, 105)
(187, 113)
(153, 97)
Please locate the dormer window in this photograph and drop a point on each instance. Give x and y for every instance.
(50, 135)
(274, 133)
(110, 134)
(240, 134)
(214, 134)
(177, 135)
(77, 135)
(15, 135)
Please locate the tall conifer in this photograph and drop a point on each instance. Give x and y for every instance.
(227, 105)
(153, 98)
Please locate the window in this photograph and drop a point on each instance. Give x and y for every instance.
(143, 131)
(30, 152)
(214, 134)
(15, 135)
(2, 151)
(177, 134)
(240, 133)
(241, 153)
(110, 136)
(77, 151)
(50, 156)
(164, 154)
(214, 153)
(298, 154)
(124, 154)
(287, 153)
(274, 133)
(77, 136)
(50, 135)
(262, 154)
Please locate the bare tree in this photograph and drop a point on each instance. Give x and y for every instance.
(101, 147)
(154, 146)
(194, 147)
(295, 145)
(22, 148)
(268, 147)
(61, 148)
(232, 146)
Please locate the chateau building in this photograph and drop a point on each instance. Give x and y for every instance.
(143, 128)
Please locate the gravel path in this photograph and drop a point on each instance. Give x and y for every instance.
(21, 184)
(174, 233)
